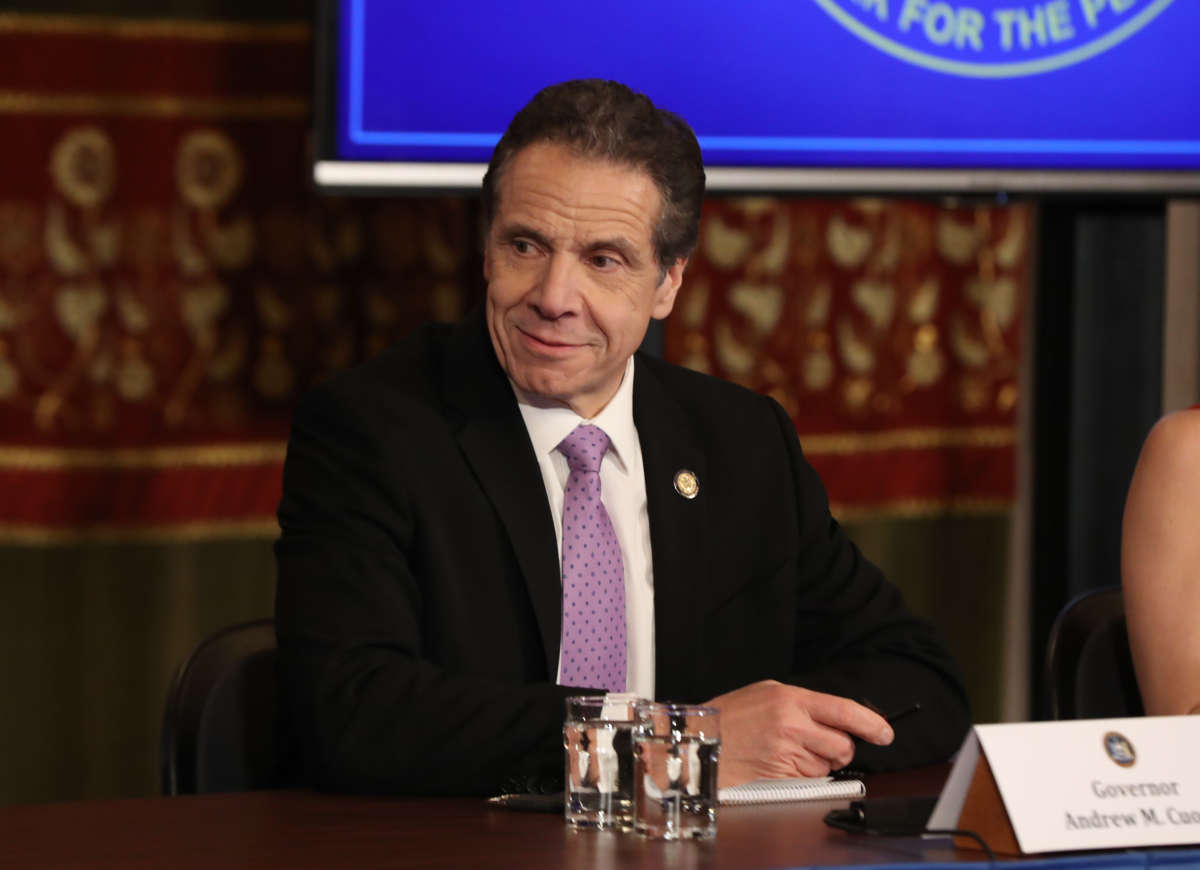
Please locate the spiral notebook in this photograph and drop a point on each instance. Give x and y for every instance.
(820, 788)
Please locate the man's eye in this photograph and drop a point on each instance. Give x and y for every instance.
(521, 246)
(603, 261)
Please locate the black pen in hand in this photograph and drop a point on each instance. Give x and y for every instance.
(892, 718)
(897, 715)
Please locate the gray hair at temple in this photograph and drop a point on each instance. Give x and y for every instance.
(609, 121)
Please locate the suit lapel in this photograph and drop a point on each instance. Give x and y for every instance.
(678, 532)
(495, 442)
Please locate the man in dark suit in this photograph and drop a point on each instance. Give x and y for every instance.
(429, 616)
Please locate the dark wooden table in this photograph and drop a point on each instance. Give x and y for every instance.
(299, 829)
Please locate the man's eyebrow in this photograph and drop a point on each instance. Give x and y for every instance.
(510, 232)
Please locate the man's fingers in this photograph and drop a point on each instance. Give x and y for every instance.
(774, 730)
(829, 746)
(849, 716)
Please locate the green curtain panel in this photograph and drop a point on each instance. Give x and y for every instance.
(953, 570)
(90, 636)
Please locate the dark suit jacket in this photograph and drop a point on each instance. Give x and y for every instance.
(418, 604)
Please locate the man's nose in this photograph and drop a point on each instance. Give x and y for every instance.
(558, 292)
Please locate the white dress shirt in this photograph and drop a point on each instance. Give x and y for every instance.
(623, 491)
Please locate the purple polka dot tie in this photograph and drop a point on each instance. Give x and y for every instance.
(593, 576)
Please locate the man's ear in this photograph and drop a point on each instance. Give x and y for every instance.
(664, 293)
(487, 262)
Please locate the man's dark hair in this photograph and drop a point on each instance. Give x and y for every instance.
(608, 121)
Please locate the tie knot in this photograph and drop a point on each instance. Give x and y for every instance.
(584, 447)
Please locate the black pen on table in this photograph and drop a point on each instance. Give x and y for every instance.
(536, 803)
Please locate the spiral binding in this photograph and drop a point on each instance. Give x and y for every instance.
(777, 790)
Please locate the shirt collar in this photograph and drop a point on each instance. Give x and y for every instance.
(550, 424)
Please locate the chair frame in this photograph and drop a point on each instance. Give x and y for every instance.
(1072, 628)
(188, 696)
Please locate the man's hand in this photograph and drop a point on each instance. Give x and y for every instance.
(770, 730)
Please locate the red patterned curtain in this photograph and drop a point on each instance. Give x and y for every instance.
(889, 330)
(168, 282)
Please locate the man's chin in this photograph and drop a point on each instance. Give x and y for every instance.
(553, 390)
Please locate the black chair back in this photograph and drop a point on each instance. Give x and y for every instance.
(1089, 670)
(220, 725)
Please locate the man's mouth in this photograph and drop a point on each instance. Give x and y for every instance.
(546, 344)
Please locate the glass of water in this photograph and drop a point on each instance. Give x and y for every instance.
(675, 752)
(599, 761)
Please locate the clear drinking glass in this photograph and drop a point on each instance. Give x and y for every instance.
(599, 761)
(675, 752)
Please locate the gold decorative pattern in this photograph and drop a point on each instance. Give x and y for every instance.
(881, 304)
(190, 456)
(266, 108)
(208, 169)
(30, 535)
(210, 306)
(916, 508)
(907, 439)
(154, 28)
(83, 166)
(880, 326)
(168, 282)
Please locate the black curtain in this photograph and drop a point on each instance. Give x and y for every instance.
(1098, 390)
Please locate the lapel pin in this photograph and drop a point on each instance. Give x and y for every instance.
(686, 483)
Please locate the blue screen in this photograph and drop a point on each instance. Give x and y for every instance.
(1055, 84)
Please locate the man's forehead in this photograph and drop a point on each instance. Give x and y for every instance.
(541, 153)
(551, 183)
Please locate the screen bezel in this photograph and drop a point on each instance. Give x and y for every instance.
(333, 175)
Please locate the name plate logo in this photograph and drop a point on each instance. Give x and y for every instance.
(994, 38)
(1119, 749)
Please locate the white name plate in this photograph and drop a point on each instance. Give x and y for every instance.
(1081, 784)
